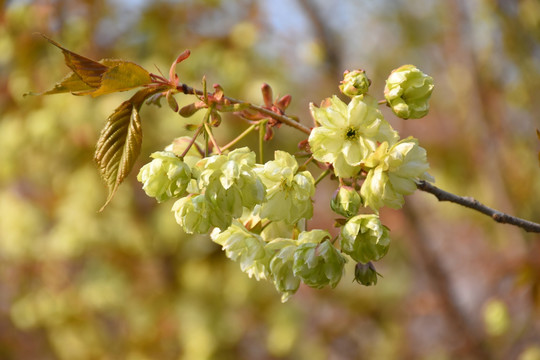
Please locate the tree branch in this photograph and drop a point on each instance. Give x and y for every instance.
(188, 90)
(474, 204)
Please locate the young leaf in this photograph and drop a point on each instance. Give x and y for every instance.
(88, 70)
(71, 83)
(97, 77)
(120, 142)
(121, 76)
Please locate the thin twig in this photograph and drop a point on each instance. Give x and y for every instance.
(281, 118)
(478, 206)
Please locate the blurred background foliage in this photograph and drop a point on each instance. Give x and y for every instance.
(127, 283)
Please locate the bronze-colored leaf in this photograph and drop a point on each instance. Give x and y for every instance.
(120, 142)
(71, 83)
(88, 70)
(121, 76)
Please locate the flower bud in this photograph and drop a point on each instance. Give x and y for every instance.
(354, 83)
(364, 238)
(346, 201)
(267, 94)
(172, 101)
(407, 92)
(366, 274)
(191, 109)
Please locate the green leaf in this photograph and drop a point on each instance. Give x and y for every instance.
(120, 141)
(88, 70)
(123, 76)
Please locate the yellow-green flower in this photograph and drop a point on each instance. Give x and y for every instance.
(229, 181)
(281, 266)
(165, 177)
(348, 134)
(393, 173)
(364, 238)
(288, 192)
(318, 263)
(244, 247)
(407, 92)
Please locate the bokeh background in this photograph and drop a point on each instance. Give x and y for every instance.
(127, 283)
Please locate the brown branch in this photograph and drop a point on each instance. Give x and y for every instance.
(474, 204)
(281, 118)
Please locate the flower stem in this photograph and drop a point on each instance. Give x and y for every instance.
(211, 136)
(322, 176)
(262, 128)
(199, 129)
(239, 137)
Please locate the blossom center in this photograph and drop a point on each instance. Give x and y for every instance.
(351, 133)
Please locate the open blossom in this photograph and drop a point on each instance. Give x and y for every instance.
(407, 92)
(288, 192)
(229, 181)
(394, 172)
(348, 134)
(244, 247)
(165, 177)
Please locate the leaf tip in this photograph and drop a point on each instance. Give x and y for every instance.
(109, 198)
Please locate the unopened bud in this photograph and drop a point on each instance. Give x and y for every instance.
(189, 110)
(407, 92)
(172, 101)
(218, 92)
(366, 274)
(354, 83)
(267, 94)
(215, 119)
(346, 201)
(284, 102)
